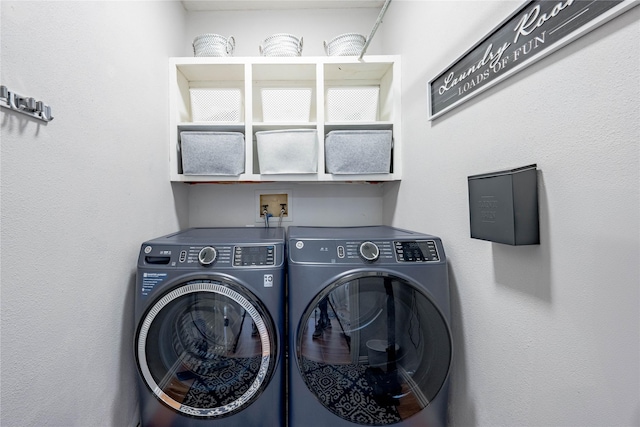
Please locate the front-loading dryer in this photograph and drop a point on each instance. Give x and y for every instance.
(369, 334)
(210, 321)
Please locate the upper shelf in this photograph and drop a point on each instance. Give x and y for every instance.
(310, 81)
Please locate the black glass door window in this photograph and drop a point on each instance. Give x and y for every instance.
(373, 349)
(207, 348)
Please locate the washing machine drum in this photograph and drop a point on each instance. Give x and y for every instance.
(373, 349)
(207, 348)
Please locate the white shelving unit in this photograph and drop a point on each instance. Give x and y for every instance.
(251, 74)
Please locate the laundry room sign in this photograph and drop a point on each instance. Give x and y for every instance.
(536, 29)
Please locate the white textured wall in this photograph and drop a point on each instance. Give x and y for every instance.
(545, 335)
(79, 195)
(234, 205)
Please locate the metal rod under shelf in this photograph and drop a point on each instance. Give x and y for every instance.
(375, 27)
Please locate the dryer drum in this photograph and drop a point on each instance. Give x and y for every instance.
(192, 356)
(363, 308)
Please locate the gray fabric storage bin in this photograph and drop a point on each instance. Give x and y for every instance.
(358, 151)
(212, 153)
(287, 151)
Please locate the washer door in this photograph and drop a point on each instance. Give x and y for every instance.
(373, 349)
(207, 348)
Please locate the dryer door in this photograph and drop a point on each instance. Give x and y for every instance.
(207, 348)
(374, 349)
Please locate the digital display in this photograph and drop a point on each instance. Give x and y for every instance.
(245, 256)
(416, 251)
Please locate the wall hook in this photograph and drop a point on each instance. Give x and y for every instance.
(25, 105)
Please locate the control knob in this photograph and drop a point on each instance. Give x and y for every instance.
(369, 251)
(207, 255)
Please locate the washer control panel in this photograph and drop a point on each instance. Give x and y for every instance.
(249, 256)
(213, 256)
(205, 255)
(369, 251)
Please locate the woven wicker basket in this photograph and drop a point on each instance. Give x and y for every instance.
(213, 45)
(349, 44)
(281, 45)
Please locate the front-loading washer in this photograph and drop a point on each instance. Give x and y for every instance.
(369, 336)
(210, 322)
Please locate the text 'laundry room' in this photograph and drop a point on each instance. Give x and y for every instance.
(316, 213)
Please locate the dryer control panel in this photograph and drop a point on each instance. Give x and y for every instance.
(416, 251)
(363, 251)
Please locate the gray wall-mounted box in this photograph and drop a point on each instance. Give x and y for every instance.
(503, 206)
